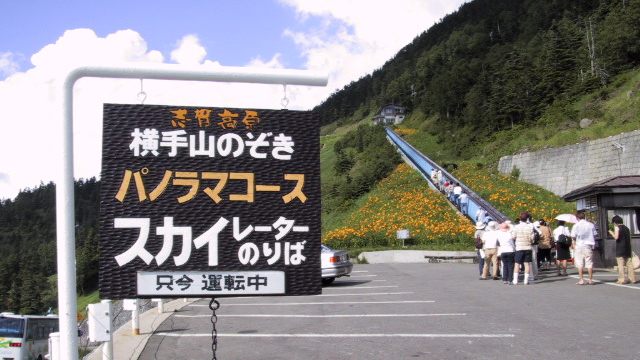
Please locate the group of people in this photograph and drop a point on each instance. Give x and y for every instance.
(506, 248)
(451, 189)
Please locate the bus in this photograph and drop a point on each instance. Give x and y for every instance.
(25, 337)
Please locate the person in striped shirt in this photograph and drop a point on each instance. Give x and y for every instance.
(523, 235)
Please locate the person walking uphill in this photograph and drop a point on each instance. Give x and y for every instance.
(584, 239)
(523, 234)
(623, 250)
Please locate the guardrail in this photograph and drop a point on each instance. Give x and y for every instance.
(425, 165)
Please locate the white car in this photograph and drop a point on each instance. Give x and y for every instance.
(335, 263)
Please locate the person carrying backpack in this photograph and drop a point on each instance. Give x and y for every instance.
(544, 246)
(562, 238)
(534, 247)
(478, 237)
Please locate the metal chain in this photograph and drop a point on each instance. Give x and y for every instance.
(214, 305)
(142, 96)
(285, 100)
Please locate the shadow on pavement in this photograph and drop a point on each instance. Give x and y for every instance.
(347, 283)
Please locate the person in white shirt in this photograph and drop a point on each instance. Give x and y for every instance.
(506, 251)
(584, 239)
(463, 203)
(448, 190)
(480, 215)
(490, 247)
(523, 234)
(457, 190)
(534, 249)
(563, 252)
(478, 236)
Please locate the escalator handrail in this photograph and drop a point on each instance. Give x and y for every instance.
(491, 211)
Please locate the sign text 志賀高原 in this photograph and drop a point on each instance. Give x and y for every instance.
(202, 201)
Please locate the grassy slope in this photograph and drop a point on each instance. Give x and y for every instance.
(87, 299)
(401, 201)
(613, 109)
(327, 163)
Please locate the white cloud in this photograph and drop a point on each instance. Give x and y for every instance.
(359, 36)
(348, 44)
(31, 117)
(189, 51)
(273, 63)
(8, 65)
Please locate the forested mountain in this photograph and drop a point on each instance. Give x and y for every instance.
(492, 65)
(28, 283)
(496, 64)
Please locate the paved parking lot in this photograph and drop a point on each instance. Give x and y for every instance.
(407, 311)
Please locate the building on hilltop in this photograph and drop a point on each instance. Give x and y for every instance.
(390, 115)
(602, 200)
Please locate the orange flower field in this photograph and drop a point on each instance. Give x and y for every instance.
(405, 131)
(403, 201)
(511, 196)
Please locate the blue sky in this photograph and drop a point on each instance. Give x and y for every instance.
(228, 28)
(42, 40)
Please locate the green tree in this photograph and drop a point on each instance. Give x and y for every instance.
(618, 36)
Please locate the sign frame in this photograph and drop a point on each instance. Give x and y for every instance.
(65, 212)
(208, 189)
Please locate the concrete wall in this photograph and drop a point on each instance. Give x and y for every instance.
(416, 256)
(567, 168)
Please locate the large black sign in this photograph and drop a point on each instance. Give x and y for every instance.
(200, 201)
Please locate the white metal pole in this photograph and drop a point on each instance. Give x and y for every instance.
(201, 73)
(65, 224)
(107, 346)
(160, 306)
(107, 350)
(65, 227)
(135, 318)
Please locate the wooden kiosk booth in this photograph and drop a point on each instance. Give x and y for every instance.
(602, 200)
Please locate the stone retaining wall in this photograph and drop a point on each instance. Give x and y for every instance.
(564, 169)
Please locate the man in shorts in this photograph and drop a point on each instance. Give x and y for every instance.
(584, 239)
(523, 235)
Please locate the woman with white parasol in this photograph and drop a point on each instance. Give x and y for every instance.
(567, 218)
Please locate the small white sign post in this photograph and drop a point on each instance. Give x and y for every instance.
(160, 305)
(402, 234)
(100, 322)
(133, 306)
(65, 216)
